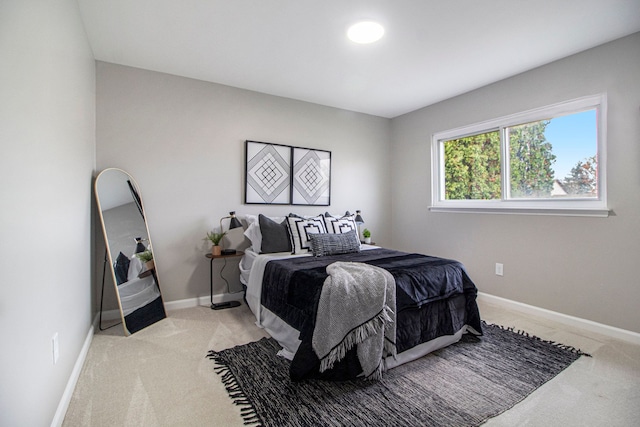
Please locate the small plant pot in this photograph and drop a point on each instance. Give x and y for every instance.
(367, 240)
(216, 250)
(150, 265)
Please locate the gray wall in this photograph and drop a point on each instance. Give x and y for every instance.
(584, 267)
(47, 134)
(183, 142)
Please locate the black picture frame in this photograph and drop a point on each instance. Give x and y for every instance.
(267, 173)
(277, 174)
(311, 177)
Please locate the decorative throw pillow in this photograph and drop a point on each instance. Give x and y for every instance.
(300, 229)
(275, 236)
(334, 244)
(121, 268)
(253, 230)
(340, 225)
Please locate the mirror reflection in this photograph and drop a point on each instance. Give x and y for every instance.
(129, 249)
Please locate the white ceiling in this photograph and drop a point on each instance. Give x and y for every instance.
(431, 51)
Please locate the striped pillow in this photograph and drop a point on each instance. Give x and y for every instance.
(334, 244)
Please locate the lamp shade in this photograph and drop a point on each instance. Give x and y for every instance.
(359, 219)
(235, 222)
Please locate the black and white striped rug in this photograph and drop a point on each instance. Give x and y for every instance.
(461, 385)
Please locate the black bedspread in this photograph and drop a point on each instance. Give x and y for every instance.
(434, 297)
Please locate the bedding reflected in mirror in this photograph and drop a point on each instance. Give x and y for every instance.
(129, 249)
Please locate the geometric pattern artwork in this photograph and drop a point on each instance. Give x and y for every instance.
(285, 175)
(268, 173)
(311, 177)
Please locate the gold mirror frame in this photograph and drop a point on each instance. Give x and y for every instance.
(125, 229)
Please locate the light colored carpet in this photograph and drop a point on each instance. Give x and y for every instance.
(160, 376)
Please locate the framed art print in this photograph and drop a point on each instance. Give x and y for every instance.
(268, 173)
(311, 176)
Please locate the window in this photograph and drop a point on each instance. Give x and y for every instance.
(550, 161)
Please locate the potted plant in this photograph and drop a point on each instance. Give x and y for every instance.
(215, 238)
(147, 258)
(367, 235)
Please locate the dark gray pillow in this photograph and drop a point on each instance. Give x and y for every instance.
(275, 236)
(122, 268)
(334, 244)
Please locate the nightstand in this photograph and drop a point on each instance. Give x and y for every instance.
(212, 258)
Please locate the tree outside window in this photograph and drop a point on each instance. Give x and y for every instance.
(549, 161)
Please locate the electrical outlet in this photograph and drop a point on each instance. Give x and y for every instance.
(54, 344)
(499, 269)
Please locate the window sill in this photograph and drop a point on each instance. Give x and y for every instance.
(585, 212)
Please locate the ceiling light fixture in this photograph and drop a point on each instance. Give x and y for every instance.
(365, 32)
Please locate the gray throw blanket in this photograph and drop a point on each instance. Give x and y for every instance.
(357, 307)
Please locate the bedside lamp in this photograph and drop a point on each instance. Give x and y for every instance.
(233, 223)
(359, 222)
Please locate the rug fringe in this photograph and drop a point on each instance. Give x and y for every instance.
(569, 348)
(239, 398)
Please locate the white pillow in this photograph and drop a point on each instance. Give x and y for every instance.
(341, 225)
(253, 234)
(135, 267)
(300, 229)
(251, 218)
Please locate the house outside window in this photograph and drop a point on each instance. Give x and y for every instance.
(550, 160)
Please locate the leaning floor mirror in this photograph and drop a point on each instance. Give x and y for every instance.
(128, 250)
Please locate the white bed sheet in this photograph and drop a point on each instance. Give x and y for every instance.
(252, 268)
(281, 331)
(137, 293)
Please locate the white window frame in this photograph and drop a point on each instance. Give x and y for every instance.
(570, 207)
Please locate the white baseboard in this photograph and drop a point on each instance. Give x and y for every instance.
(115, 315)
(61, 411)
(564, 319)
(205, 301)
(176, 305)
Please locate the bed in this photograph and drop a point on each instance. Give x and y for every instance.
(434, 300)
(139, 293)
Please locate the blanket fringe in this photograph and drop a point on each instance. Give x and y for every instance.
(569, 348)
(376, 375)
(239, 398)
(390, 349)
(358, 335)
